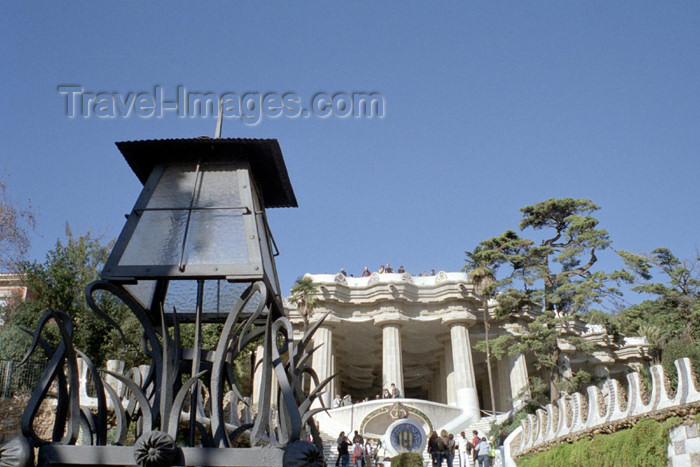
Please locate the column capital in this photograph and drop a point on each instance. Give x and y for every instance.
(390, 318)
(330, 322)
(460, 317)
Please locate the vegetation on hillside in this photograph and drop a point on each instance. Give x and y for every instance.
(645, 444)
(58, 283)
(551, 274)
(16, 224)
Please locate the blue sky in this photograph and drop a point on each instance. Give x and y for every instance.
(489, 106)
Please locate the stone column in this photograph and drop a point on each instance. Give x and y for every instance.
(519, 383)
(442, 377)
(322, 361)
(115, 366)
(463, 375)
(447, 371)
(502, 382)
(392, 357)
(257, 375)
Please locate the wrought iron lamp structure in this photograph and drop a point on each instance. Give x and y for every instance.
(201, 214)
(200, 218)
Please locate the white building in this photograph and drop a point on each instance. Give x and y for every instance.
(420, 334)
(11, 288)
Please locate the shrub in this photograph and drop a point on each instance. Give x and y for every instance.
(643, 445)
(513, 422)
(679, 348)
(407, 459)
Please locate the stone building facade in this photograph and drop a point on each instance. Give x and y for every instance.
(420, 333)
(11, 288)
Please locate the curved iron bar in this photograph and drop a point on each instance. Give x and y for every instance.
(151, 398)
(64, 355)
(206, 440)
(315, 392)
(239, 431)
(315, 433)
(62, 386)
(218, 428)
(263, 420)
(308, 335)
(246, 340)
(87, 427)
(120, 413)
(135, 375)
(149, 381)
(173, 420)
(289, 416)
(250, 337)
(142, 401)
(150, 332)
(295, 371)
(100, 423)
(171, 358)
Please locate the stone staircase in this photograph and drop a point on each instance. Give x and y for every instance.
(483, 426)
(330, 451)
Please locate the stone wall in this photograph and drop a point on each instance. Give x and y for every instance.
(12, 409)
(607, 410)
(684, 446)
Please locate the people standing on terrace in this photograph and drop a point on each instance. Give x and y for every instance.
(366, 273)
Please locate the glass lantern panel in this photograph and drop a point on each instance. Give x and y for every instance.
(215, 228)
(216, 237)
(219, 187)
(174, 189)
(219, 296)
(157, 239)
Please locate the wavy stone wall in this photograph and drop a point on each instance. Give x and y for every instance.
(572, 417)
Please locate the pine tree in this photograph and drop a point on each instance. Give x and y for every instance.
(545, 283)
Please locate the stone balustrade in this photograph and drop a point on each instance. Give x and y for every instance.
(609, 409)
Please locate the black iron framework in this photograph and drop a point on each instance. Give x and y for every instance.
(155, 403)
(211, 203)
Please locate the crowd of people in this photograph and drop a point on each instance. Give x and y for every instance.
(477, 451)
(391, 393)
(386, 269)
(469, 452)
(363, 452)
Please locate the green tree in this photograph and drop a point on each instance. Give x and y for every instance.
(303, 296)
(671, 321)
(483, 279)
(59, 283)
(676, 286)
(551, 279)
(16, 225)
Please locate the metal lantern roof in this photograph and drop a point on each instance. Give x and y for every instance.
(263, 155)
